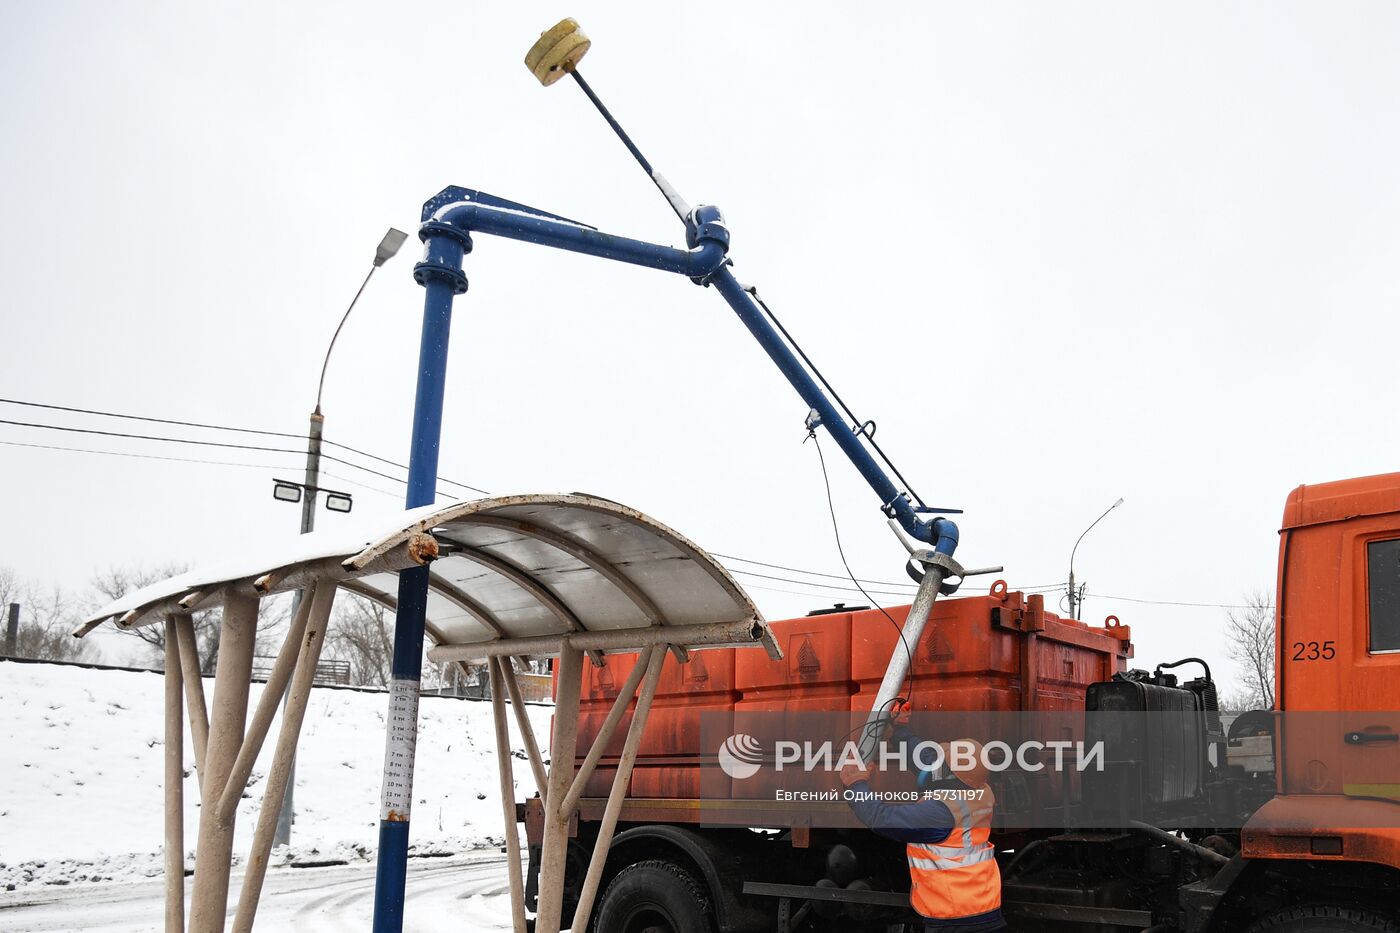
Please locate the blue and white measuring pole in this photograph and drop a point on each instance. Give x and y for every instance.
(440, 273)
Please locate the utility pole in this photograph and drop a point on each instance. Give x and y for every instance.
(12, 632)
(312, 487)
(282, 836)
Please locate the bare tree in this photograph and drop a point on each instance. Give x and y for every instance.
(46, 620)
(1249, 636)
(361, 633)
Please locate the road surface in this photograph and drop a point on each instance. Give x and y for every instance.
(464, 894)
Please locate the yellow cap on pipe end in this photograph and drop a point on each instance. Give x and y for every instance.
(558, 51)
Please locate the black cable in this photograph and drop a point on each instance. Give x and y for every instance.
(1168, 602)
(831, 586)
(225, 427)
(394, 463)
(857, 425)
(836, 531)
(833, 576)
(186, 440)
(112, 414)
(382, 492)
(815, 573)
(123, 453)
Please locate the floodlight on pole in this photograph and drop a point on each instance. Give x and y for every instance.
(1075, 599)
(286, 490)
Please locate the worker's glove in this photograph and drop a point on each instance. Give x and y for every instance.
(897, 716)
(854, 774)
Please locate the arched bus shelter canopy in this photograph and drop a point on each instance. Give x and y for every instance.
(533, 575)
(520, 570)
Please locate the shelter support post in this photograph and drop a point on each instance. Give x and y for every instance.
(174, 782)
(305, 643)
(267, 708)
(555, 847)
(194, 691)
(237, 636)
(440, 274)
(605, 731)
(503, 763)
(655, 659)
(522, 720)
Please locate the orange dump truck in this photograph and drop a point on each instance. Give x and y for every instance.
(1185, 823)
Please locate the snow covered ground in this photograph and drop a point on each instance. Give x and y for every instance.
(458, 894)
(82, 799)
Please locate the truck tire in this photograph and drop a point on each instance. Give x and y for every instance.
(1325, 920)
(654, 896)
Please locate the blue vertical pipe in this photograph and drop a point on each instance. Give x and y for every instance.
(440, 273)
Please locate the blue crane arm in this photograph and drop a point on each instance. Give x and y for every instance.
(455, 213)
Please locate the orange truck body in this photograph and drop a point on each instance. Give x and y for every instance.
(996, 653)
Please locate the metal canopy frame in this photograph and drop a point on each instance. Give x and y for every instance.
(538, 575)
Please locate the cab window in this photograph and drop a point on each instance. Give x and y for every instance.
(1383, 574)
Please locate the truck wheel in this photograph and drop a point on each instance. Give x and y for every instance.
(1325, 920)
(653, 897)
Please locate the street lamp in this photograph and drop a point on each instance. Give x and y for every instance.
(1076, 599)
(287, 491)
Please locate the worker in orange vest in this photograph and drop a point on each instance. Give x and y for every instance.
(955, 884)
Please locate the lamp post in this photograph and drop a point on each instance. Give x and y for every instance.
(1076, 601)
(311, 486)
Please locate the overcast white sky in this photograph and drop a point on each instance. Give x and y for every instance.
(1061, 252)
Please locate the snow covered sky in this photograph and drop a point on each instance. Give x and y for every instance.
(1063, 253)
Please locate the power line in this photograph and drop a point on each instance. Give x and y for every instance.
(1168, 602)
(815, 573)
(123, 453)
(382, 492)
(218, 427)
(113, 414)
(830, 586)
(256, 466)
(198, 443)
(837, 576)
(148, 437)
(365, 453)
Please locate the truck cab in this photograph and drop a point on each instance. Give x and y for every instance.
(1337, 678)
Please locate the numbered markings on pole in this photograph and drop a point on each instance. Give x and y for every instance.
(400, 743)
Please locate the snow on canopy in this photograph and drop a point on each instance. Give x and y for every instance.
(507, 567)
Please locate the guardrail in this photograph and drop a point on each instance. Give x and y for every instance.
(446, 693)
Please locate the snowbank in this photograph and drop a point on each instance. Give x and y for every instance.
(84, 757)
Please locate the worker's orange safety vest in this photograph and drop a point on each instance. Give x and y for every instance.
(958, 877)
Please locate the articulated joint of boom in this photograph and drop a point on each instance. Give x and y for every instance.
(705, 225)
(455, 212)
(940, 532)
